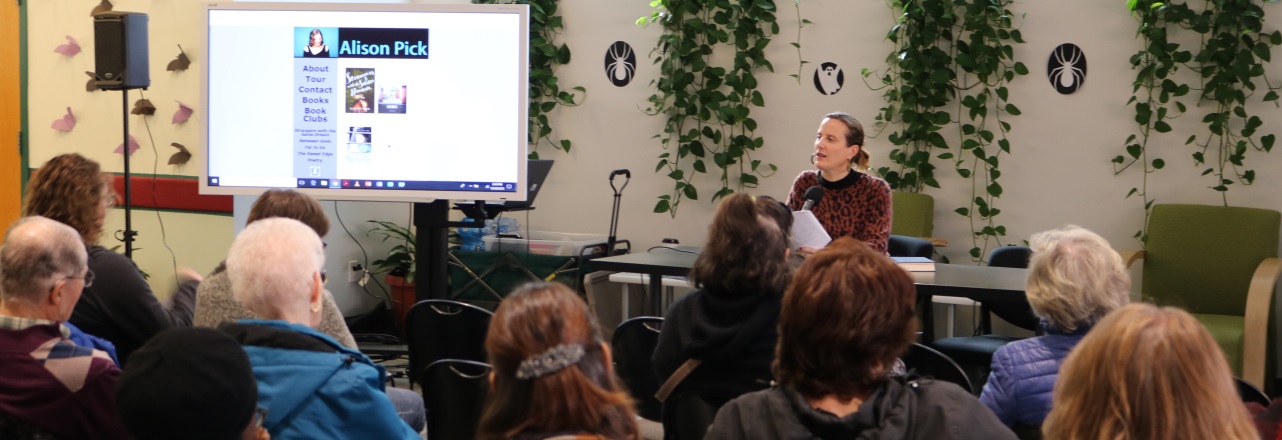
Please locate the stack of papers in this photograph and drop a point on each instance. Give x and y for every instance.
(807, 232)
(915, 264)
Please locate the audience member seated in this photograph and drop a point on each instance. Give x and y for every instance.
(1074, 279)
(120, 306)
(1147, 373)
(552, 375)
(729, 326)
(311, 386)
(846, 317)
(46, 380)
(193, 384)
(214, 301)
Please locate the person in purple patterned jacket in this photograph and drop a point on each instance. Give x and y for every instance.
(47, 382)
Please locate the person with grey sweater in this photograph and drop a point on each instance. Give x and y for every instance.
(214, 302)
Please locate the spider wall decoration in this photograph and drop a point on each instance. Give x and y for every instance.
(620, 63)
(1066, 68)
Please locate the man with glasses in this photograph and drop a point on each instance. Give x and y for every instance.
(48, 382)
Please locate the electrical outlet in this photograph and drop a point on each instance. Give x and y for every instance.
(354, 271)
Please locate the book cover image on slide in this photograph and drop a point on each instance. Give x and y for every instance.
(360, 90)
(391, 99)
(359, 139)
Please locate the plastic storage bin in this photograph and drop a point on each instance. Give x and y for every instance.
(548, 243)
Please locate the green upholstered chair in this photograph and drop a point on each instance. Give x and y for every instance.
(1220, 264)
(913, 215)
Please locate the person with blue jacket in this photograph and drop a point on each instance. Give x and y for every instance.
(311, 385)
(1074, 279)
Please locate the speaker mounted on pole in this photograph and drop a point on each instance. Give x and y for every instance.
(120, 51)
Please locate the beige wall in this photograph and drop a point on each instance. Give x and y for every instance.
(1059, 171)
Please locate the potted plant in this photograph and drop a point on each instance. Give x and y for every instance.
(398, 265)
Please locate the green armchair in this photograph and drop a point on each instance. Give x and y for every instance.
(913, 215)
(1220, 264)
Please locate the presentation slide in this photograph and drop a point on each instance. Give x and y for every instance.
(365, 100)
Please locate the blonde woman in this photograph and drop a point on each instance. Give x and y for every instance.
(1147, 373)
(1074, 279)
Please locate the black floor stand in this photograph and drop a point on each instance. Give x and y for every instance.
(432, 233)
(127, 236)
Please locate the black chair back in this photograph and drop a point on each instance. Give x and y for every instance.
(634, 343)
(18, 429)
(1019, 314)
(687, 417)
(458, 395)
(442, 329)
(905, 246)
(927, 362)
(1250, 393)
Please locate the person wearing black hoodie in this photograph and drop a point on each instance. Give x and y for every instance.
(846, 317)
(729, 324)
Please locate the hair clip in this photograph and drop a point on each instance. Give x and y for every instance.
(554, 359)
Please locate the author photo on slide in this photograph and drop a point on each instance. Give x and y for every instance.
(855, 203)
(311, 42)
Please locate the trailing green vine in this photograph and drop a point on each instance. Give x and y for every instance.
(919, 85)
(1234, 48)
(1229, 59)
(546, 54)
(708, 106)
(801, 24)
(951, 52)
(986, 63)
(1154, 92)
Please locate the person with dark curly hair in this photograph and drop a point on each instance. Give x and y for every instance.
(120, 306)
(846, 317)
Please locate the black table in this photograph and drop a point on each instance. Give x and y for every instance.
(657, 263)
(979, 283)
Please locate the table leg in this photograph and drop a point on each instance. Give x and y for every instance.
(928, 318)
(656, 295)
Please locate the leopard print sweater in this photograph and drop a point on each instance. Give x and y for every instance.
(856, 206)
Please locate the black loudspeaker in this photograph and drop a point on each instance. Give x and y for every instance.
(120, 50)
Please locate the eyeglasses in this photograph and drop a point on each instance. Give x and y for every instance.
(261, 414)
(88, 277)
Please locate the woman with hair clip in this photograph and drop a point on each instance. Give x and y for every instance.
(855, 204)
(729, 326)
(552, 375)
(1146, 372)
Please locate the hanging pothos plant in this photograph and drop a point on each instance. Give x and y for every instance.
(708, 106)
(1229, 60)
(951, 52)
(1154, 94)
(546, 54)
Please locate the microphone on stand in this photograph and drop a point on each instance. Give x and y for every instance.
(813, 196)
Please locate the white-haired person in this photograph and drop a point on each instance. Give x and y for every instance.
(1074, 279)
(49, 385)
(311, 385)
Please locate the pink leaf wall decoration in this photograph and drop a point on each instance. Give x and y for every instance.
(65, 123)
(69, 49)
(183, 113)
(133, 146)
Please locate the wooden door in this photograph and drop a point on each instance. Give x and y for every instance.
(10, 115)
